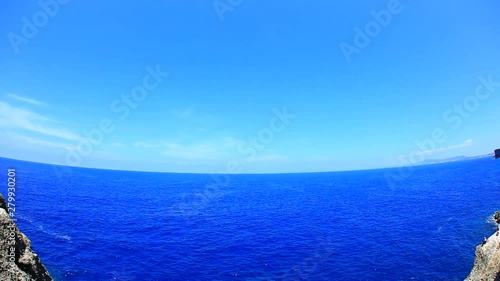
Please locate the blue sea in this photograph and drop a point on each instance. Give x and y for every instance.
(92, 224)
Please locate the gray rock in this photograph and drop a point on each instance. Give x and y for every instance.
(25, 265)
(487, 260)
(497, 217)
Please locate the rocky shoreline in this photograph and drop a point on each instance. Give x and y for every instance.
(17, 260)
(487, 260)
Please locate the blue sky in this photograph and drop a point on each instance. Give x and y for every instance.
(252, 86)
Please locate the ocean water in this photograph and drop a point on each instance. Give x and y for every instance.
(91, 224)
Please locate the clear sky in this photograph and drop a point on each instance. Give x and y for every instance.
(263, 86)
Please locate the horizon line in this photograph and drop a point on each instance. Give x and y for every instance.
(261, 173)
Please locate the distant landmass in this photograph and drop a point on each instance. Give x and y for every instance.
(453, 159)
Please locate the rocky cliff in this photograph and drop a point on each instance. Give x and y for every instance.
(17, 260)
(487, 261)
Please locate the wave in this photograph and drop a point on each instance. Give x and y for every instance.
(54, 234)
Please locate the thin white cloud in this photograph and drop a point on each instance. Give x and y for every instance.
(118, 144)
(232, 142)
(466, 143)
(176, 150)
(149, 145)
(38, 142)
(24, 99)
(18, 118)
(185, 113)
(267, 158)
(193, 151)
(213, 150)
